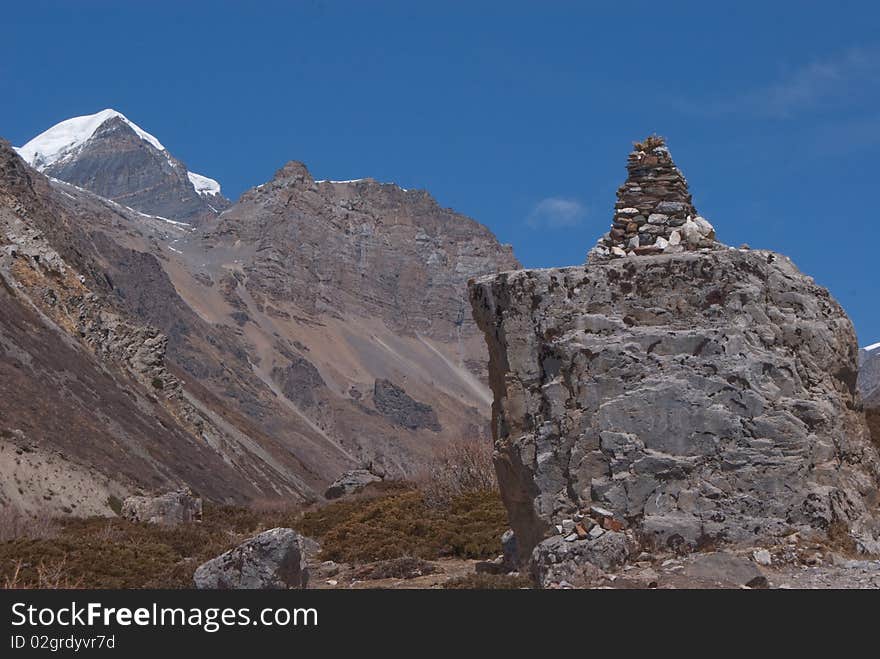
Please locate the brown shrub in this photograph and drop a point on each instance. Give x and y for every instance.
(388, 521)
(48, 577)
(402, 524)
(15, 525)
(461, 467)
(116, 553)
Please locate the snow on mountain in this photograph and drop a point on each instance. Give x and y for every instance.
(204, 185)
(871, 347)
(64, 139)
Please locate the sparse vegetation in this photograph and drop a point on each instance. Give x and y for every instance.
(651, 142)
(158, 384)
(489, 582)
(115, 504)
(15, 525)
(403, 524)
(388, 522)
(462, 467)
(406, 567)
(115, 553)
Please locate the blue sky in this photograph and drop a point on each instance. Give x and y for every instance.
(517, 114)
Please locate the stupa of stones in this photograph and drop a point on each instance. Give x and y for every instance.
(654, 213)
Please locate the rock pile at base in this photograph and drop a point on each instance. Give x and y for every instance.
(700, 398)
(272, 560)
(654, 213)
(167, 509)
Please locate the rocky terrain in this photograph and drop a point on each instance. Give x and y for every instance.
(674, 402)
(310, 329)
(869, 386)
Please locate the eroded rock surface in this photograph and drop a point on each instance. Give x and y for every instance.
(350, 482)
(702, 397)
(169, 509)
(393, 402)
(272, 560)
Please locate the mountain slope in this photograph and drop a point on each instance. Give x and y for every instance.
(88, 406)
(311, 328)
(113, 157)
(869, 371)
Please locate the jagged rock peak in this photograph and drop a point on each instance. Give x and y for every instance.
(295, 171)
(654, 213)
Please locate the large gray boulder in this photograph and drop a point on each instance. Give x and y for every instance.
(272, 560)
(167, 509)
(350, 482)
(705, 396)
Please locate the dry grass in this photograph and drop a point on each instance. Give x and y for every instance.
(461, 468)
(386, 521)
(651, 142)
(115, 553)
(55, 576)
(15, 525)
(403, 524)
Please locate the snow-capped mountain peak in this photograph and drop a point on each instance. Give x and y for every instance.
(128, 164)
(871, 347)
(64, 139)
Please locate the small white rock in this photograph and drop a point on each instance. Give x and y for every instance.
(598, 511)
(617, 251)
(762, 557)
(596, 532)
(661, 243)
(628, 211)
(703, 225)
(675, 238)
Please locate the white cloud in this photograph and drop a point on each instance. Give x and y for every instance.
(556, 213)
(839, 80)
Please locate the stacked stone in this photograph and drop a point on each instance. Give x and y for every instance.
(654, 213)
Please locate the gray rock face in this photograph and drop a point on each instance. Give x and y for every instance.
(368, 248)
(700, 396)
(168, 509)
(350, 482)
(272, 560)
(869, 374)
(556, 561)
(397, 405)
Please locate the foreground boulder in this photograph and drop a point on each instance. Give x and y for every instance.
(701, 396)
(350, 482)
(272, 560)
(167, 509)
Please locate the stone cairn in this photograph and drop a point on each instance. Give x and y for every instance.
(654, 213)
